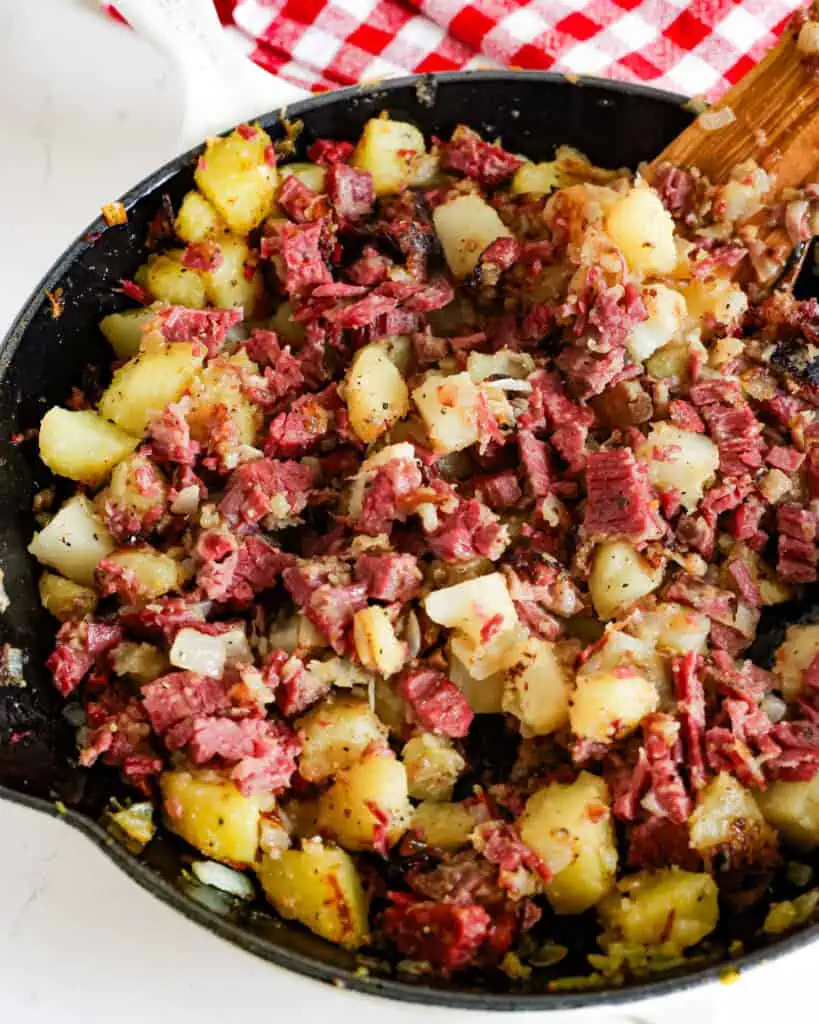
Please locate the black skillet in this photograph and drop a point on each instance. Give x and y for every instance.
(42, 357)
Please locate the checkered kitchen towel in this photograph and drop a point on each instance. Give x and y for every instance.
(698, 47)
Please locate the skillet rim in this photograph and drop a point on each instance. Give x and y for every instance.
(225, 928)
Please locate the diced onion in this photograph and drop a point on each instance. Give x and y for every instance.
(712, 120)
(808, 40)
(186, 502)
(218, 876)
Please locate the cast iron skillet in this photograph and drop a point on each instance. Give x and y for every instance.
(42, 358)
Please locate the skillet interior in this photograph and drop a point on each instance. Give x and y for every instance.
(42, 358)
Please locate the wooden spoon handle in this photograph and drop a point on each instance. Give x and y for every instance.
(776, 111)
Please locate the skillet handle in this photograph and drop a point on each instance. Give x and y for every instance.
(222, 86)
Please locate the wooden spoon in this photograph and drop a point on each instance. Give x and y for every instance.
(776, 122)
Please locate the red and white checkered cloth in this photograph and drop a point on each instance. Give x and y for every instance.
(698, 47)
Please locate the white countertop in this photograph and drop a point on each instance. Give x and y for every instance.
(86, 110)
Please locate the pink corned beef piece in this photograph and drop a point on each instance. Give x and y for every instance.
(472, 530)
(388, 496)
(499, 490)
(254, 566)
(266, 486)
(683, 415)
(180, 695)
(351, 192)
(304, 266)
(170, 435)
(469, 154)
(330, 151)
(798, 551)
(690, 696)
(618, 497)
(437, 704)
(731, 423)
(535, 458)
(206, 255)
(677, 190)
(300, 202)
(207, 327)
(389, 577)
(79, 645)
(311, 421)
(447, 935)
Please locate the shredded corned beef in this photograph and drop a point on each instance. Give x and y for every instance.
(468, 153)
(447, 935)
(437, 704)
(266, 487)
(208, 327)
(617, 498)
(373, 555)
(389, 577)
(351, 191)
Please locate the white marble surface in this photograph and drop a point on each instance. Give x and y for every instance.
(85, 111)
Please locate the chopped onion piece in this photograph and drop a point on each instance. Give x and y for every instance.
(218, 876)
(508, 384)
(712, 120)
(136, 821)
(808, 40)
(198, 652)
(11, 666)
(186, 502)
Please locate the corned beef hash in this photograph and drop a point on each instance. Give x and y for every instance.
(419, 539)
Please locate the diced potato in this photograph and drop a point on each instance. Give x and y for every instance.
(673, 627)
(468, 606)
(485, 696)
(377, 646)
(794, 656)
(643, 229)
(211, 814)
(673, 361)
(610, 705)
(485, 661)
(537, 179)
(669, 908)
(220, 383)
(124, 331)
(449, 407)
(165, 278)
(155, 573)
(666, 314)
(82, 445)
(503, 363)
(367, 807)
(718, 298)
(569, 826)
(377, 395)
(536, 687)
(620, 576)
(125, 491)
(465, 227)
(320, 887)
(679, 460)
(140, 662)
(73, 542)
(390, 151)
(197, 219)
(741, 196)
(65, 599)
(727, 819)
(236, 176)
(290, 331)
(445, 826)
(236, 282)
(143, 386)
(311, 175)
(399, 351)
(433, 766)
(335, 735)
(793, 810)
